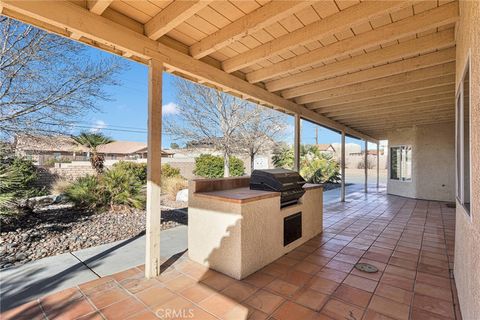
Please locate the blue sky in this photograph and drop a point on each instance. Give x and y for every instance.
(125, 116)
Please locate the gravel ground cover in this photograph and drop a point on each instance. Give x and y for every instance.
(61, 228)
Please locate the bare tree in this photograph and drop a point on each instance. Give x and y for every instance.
(264, 129)
(47, 82)
(209, 116)
(230, 124)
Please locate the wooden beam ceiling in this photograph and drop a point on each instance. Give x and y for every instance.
(345, 19)
(419, 109)
(423, 61)
(399, 90)
(431, 42)
(426, 96)
(246, 25)
(98, 6)
(395, 123)
(378, 108)
(399, 98)
(417, 75)
(424, 21)
(70, 17)
(172, 16)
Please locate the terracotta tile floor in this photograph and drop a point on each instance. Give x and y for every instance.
(410, 242)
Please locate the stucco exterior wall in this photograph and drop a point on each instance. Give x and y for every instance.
(433, 162)
(467, 235)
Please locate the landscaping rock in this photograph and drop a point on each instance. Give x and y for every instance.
(58, 228)
(182, 195)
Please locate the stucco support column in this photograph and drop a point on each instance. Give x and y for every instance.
(296, 144)
(342, 160)
(378, 165)
(366, 166)
(154, 157)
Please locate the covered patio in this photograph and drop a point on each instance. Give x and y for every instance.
(410, 241)
(372, 70)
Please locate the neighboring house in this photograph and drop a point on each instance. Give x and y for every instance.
(326, 148)
(43, 148)
(127, 150)
(63, 148)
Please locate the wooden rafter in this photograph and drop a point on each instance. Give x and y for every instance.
(98, 6)
(405, 49)
(172, 16)
(248, 24)
(386, 82)
(424, 21)
(411, 121)
(372, 110)
(423, 61)
(398, 98)
(409, 111)
(345, 19)
(383, 130)
(398, 90)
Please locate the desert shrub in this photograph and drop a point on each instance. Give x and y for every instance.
(210, 166)
(26, 171)
(86, 192)
(283, 157)
(169, 171)
(171, 186)
(315, 166)
(17, 179)
(60, 186)
(138, 170)
(321, 170)
(122, 188)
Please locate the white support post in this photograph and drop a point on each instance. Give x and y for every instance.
(343, 191)
(296, 145)
(378, 165)
(366, 166)
(152, 250)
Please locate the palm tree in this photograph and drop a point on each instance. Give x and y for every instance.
(92, 141)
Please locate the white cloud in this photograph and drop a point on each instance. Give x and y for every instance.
(99, 125)
(170, 108)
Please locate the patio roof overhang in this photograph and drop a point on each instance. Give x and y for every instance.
(359, 67)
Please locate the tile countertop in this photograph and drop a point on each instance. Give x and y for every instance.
(244, 195)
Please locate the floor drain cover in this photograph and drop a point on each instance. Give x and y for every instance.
(365, 267)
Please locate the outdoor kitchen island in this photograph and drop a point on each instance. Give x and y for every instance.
(237, 231)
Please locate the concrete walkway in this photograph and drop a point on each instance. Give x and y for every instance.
(51, 274)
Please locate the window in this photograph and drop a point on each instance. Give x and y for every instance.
(401, 163)
(463, 140)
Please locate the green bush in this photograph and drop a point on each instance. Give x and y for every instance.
(122, 188)
(139, 170)
(315, 166)
(321, 170)
(86, 192)
(17, 177)
(210, 166)
(169, 171)
(117, 187)
(283, 157)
